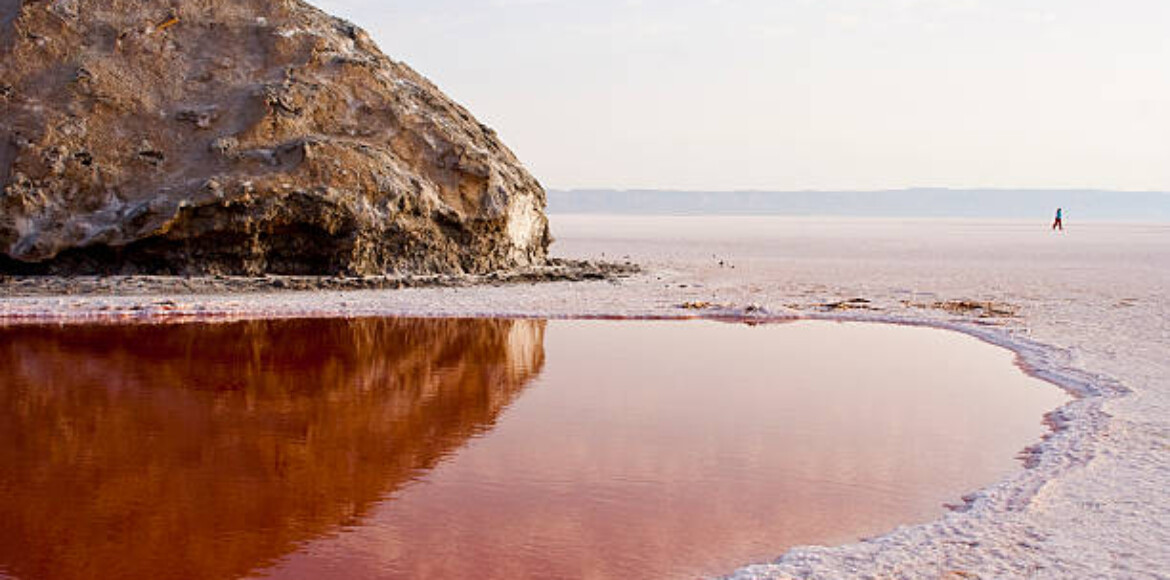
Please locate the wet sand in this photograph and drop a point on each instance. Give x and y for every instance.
(1086, 309)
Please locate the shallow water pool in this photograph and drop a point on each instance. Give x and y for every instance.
(408, 448)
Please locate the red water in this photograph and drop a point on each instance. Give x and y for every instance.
(395, 448)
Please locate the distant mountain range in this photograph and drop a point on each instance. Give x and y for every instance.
(1085, 205)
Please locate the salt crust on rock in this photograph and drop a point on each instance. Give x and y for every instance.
(242, 137)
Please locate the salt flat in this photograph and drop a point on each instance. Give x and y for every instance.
(1086, 308)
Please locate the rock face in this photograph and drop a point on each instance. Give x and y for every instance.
(241, 137)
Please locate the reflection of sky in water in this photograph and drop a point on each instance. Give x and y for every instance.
(645, 448)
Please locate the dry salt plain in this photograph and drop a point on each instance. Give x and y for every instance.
(1087, 309)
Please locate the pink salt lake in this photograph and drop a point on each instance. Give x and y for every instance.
(405, 448)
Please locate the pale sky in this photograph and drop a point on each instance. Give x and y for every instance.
(803, 94)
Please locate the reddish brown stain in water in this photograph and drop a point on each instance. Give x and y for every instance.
(204, 451)
(382, 448)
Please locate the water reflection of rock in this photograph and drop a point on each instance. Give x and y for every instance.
(209, 450)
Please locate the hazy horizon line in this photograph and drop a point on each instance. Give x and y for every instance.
(1007, 189)
(916, 202)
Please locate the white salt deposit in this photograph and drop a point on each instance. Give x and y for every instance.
(1086, 309)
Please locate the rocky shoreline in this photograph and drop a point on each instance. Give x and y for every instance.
(557, 270)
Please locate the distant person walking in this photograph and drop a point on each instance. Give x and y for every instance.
(1058, 224)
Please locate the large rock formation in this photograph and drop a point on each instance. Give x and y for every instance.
(242, 137)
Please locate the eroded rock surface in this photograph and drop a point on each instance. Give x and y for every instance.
(241, 137)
